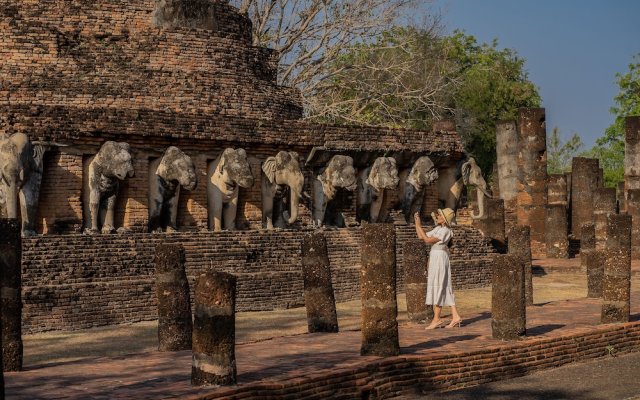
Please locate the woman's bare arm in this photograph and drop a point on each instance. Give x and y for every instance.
(420, 232)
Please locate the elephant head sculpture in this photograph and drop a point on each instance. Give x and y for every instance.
(453, 179)
(168, 173)
(338, 173)
(226, 175)
(281, 175)
(20, 178)
(422, 173)
(110, 165)
(372, 182)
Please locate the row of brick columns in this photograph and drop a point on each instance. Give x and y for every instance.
(211, 336)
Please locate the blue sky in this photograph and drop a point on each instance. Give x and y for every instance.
(573, 48)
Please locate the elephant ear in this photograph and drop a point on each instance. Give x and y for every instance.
(466, 171)
(269, 169)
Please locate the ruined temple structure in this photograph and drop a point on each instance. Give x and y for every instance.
(154, 84)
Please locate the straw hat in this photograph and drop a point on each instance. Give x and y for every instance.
(448, 215)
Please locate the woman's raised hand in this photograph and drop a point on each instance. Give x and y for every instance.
(416, 217)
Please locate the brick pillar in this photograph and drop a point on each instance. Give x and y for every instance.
(11, 299)
(557, 244)
(132, 209)
(584, 176)
(633, 209)
(174, 305)
(192, 205)
(492, 224)
(557, 189)
(532, 172)
(414, 259)
(604, 203)
(507, 161)
(591, 261)
(508, 310)
(214, 331)
(520, 246)
(616, 285)
(378, 291)
(318, 290)
(632, 153)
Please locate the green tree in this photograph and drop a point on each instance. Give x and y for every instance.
(410, 77)
(494, 84)
(559, 153)
(610, 147)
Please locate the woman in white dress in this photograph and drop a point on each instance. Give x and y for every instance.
(439, 288)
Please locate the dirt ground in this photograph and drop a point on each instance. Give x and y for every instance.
(119, 340)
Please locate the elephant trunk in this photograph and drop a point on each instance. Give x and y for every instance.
(293, 206)
(410, 193)
(481, 192)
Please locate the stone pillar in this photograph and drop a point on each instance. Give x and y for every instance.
(11, 299)
(604, 203)
(174, 305)
(567, 177)
(584, 176)
(633, 209)
(414, 259)
(616, 285)
(632, 153)
(507, 161)
(532, 172)
(591, 261)
(520, 246)
(508, 310)
(318, 290)
(492, 224)
(214, 331)
(557, 189)
(557, 243)
(621, 197)
(378, 286)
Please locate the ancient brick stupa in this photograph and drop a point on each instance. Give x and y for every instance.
(155, 74)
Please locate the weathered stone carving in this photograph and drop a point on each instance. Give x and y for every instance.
(282, 182)
(111, 165)
(452, 180)
(20, 178)
(173, 170)
(185, 13)
(422, 174)
(226, 175)
(338, 173)
(372, 182)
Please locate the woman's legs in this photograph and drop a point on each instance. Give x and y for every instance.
(455, 317)
(436, 321)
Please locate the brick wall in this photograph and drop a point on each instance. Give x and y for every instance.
(80, 281)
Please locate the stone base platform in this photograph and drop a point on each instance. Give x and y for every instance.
(321, 365)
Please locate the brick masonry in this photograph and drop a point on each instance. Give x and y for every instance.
(78, 281)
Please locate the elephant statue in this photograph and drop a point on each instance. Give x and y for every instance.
(110, 165)
(173, 170)
(422, 173)
(372, 182)
(20, 178)
(226, 175)
(453, 179)
(338, 173)
(281, 175)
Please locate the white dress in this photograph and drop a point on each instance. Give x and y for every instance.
(439, 288)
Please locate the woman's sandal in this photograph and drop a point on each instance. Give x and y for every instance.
(435, 325)
(453, 323)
